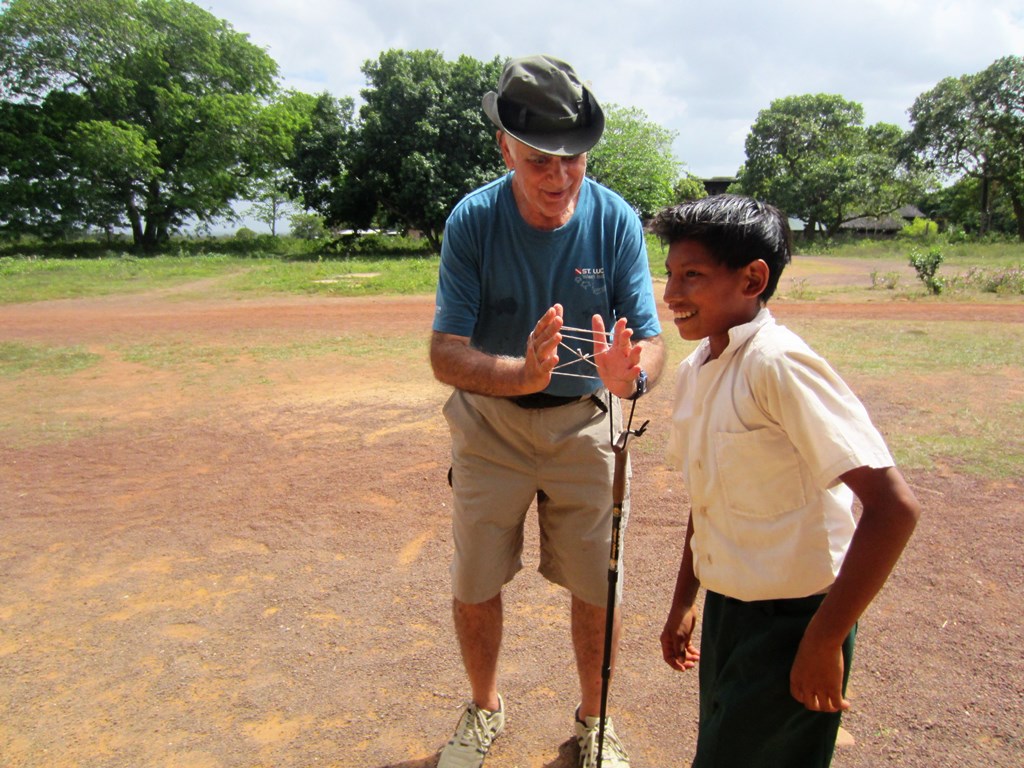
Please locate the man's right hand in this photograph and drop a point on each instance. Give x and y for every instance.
(541, 355)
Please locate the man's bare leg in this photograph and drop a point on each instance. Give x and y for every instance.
(588, 624)
(478, 627)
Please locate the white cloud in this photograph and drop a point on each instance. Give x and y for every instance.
(702, 69)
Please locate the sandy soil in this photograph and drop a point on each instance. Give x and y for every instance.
(225, 545)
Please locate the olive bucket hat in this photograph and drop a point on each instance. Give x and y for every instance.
(541, 102)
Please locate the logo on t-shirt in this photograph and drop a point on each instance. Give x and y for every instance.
(590, 279)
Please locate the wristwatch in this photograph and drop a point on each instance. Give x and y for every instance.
(641, 386)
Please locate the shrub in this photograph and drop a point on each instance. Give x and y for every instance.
(1005, 282)
(920, 229)
(383, 244)
(307, 226)
(889, 280)
(927, 265)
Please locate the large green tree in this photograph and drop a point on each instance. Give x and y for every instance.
(812, 156)
(272, 192)
(973, 126)
(423, 140)
(167, 120)
(320, 164)
(36, 193)
(635, 158)
(955, 206)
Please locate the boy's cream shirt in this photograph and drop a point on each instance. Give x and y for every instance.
(762, 435)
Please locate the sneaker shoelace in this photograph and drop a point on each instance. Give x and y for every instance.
(612, 747)
(474, 730)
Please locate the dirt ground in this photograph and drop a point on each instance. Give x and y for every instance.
(225, 543)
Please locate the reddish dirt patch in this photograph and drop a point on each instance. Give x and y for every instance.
(238, 558)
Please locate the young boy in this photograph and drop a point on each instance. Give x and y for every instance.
(772, 445)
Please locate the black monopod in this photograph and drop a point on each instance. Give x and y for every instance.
(619, 448)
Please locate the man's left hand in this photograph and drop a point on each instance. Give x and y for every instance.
(618, 364)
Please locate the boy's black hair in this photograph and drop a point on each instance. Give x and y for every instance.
(735, 229)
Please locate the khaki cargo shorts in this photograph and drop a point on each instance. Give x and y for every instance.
(505, 456)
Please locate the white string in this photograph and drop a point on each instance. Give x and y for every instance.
(579, 355)
(588, 334)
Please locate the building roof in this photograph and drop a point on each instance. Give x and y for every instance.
(894, 222)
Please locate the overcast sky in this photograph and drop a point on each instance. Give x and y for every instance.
(703, 69)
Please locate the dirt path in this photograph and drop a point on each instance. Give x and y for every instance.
(224, 544)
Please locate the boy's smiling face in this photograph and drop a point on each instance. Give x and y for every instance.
(706, 297)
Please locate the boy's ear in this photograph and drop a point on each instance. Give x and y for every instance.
(757, 273)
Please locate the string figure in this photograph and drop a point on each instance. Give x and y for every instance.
(578, 355)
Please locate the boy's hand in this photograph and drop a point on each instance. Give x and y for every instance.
(887, 520)
(816, 679)
(619, 364)
(677, 640)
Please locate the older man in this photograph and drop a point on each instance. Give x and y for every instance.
(537, 251)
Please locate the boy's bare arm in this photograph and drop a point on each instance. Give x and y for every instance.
(886, 524)
(677, 637)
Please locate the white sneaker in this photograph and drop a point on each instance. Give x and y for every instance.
(612, 756)
(476, 730)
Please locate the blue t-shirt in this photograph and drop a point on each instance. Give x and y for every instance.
(498, 275)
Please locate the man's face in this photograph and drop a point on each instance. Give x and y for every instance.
(546, 187)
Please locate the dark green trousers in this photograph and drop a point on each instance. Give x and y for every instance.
(748, 718)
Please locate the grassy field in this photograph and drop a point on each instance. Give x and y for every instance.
(969, 269)
(982, 437)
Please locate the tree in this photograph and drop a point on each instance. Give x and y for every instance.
(271, 190)
(113, 161)
(973, 125)
(319, 166)
(36, 194)
(635, 158)
(688, 187)
(419, 144)
(812, 157)
(955, 206)
(169, 120)
(307, 226)
(270, 201)
(423, 140)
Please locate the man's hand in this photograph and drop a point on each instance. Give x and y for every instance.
(619, 364)
(541, 355)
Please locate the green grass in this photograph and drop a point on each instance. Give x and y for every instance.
(364, 276)
(992, 253)
(17, 359)
(889, 348)
(950, 387)
(35, 279)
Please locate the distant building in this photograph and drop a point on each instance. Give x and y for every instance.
(718, 185)
(883, 226)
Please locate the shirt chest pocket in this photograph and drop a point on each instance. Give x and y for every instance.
(760, 473)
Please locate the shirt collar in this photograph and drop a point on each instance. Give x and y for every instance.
(739, 335)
